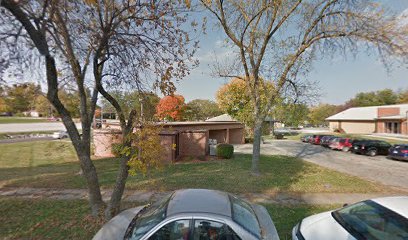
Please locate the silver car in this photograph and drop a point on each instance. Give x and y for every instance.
(192, 214)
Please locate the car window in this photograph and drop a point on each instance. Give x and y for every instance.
(147, 219)
(384, 144)
(177, 230)
(243, 214)
(369, 220)
(211, 230)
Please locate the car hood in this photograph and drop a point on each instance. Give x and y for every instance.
(323, 226)
(267, 227)
(116, 227)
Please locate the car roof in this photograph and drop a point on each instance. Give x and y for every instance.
(397, 204)
(199, 201)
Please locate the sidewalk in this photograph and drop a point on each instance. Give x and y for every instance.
(148, 196)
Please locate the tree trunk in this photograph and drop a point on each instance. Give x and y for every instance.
(91, 177)
(256, 151)
(82, 146)
(116, 197)
(123, 172)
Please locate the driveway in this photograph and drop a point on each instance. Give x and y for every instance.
(378, 168)
(33, 127)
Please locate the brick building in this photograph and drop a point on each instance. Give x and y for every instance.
(189, 138)
(390, 119)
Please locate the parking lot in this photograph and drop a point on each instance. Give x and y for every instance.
(378, 168)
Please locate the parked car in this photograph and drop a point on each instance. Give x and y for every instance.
(399, 152)
(381, 218)
(60, 135)
(305, 138)
(371, 147)
(343, 144)
(317, 139)
(192, 214)
(326, 140)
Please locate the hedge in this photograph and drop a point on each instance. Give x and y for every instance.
(225, 150)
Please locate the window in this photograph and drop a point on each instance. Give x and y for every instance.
(369, 220)
(147, 219)
(210, 230)
(177, 230)
(243, 214)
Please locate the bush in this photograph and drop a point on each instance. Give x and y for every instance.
(249, 140)
(225, 150)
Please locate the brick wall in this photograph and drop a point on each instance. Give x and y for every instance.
(192, 143)
(103, 140)
(236, 136)
(388, 111)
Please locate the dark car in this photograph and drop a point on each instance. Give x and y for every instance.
(327, 140)
(192, 214)
(371, 147)
(399, 152)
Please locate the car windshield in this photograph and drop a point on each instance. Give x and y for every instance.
(243, 214)
(149, 218)
(369, 220)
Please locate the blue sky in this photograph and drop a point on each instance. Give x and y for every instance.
(339, 79)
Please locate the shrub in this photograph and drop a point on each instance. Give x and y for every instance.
(225, 150)
(249, 140)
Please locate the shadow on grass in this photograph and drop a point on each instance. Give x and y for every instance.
(279, 173)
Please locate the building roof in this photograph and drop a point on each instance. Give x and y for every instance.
(221, 118)
(199, 201)
(365, 113)
(393, 117)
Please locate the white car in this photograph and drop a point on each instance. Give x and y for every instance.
(60, 135)
(381, 218)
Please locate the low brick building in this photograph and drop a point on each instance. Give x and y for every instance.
(189, 138)
(376, 119)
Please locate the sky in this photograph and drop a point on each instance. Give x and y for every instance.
(338, 79)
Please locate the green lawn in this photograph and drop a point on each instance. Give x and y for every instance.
(53, 164)
(69, 219)
(21, 120)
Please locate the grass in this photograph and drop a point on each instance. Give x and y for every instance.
(286, 217)
(69, 219)
(53, 164)
(4, 120)
(46, 219)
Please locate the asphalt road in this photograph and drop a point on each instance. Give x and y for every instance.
(378, 168)
(33, 127)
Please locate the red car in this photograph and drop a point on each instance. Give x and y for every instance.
(343, 144)
(317, 138)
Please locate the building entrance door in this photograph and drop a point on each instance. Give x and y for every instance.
(393, 127)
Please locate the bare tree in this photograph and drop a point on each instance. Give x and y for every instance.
(133, 44)
(42, 25)
(140, 44)
(278, 40)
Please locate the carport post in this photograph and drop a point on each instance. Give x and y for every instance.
(406, 122)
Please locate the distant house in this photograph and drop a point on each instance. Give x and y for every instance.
(376, 119)
(189, 138)
(31, 113)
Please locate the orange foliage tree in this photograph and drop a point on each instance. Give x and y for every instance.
(170, 108)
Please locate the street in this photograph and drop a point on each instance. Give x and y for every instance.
(33, 127)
